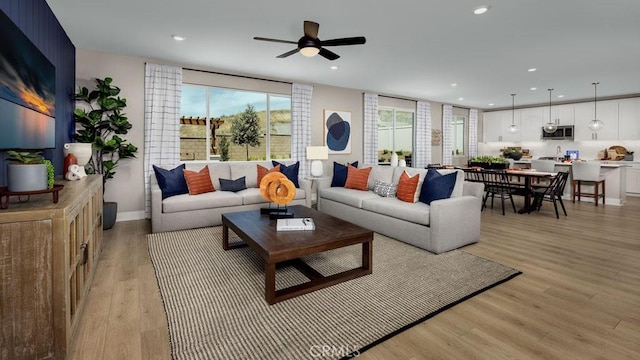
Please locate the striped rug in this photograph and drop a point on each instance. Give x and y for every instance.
(214, 299)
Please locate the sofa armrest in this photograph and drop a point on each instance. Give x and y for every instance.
(156, 204)
(454, 222)
(473, 189)
(306, 186)
(324, 183)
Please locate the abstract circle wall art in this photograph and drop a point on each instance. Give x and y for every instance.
(337, 126)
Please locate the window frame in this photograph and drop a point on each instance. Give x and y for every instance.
(394, 110)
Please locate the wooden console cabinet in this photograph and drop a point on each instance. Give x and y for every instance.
(48, 254)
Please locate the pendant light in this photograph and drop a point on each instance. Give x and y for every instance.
(595, 125)
(552, 125)
(513, 128)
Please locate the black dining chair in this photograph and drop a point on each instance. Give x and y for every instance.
(496, 183)
(552, 193)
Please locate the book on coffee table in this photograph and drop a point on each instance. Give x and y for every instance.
(295, 224)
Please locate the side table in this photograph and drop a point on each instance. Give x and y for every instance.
(314, 188)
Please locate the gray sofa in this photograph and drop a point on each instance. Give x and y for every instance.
(192, 211)
(439, 227)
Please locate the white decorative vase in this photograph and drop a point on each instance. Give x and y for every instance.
(82, 152)
(394, 160)
(402, 163)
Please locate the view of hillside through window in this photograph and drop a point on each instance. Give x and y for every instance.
(395, 134)
(262, 131)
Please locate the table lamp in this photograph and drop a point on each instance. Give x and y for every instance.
(316, 154)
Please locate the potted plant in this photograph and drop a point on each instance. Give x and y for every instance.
(102, 120)
(628, 156)
(489, 162)
(28, 171)
(512, 153)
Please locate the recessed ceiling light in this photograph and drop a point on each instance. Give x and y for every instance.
(454, 84)
(334, 67)
(533, 88)
(177, 37)
(532, 70)
(460, 99)
(481, 10)
(560, 96)
(491, 104)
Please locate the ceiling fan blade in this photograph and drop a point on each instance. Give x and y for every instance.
(328, 54)
(288, 53)
(358, 40)
(311, 29)
(274, 40)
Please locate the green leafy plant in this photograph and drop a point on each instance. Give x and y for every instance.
(102, 121)
(26, 157)
(245, 130)
(224, 149)
(50, 173)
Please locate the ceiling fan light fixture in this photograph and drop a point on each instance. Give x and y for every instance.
(309, 51)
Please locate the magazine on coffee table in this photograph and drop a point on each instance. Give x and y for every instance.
(292, 224)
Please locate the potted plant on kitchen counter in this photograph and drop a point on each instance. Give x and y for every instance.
(102, 122)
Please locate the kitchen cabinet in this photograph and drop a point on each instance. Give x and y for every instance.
(49, 254)
(505, 122)
(495, 126)
(633, 179)
(629, 119)
(490, 124)
(607, 112)
(532, 121)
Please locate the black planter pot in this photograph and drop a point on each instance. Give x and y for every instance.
(485, 165)
(109, 213)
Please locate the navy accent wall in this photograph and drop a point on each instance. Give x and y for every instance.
(37, 22)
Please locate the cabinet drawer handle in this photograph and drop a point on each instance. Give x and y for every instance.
(85, 253)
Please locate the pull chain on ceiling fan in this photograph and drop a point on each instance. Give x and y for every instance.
(309, 45)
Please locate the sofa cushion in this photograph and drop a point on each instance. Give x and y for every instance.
(459, 186)
(233, 185)
(349, 197)
(407, 187)
(437, 186)
(382, 173)
(385, 189)
(249, 170)
(217, 170)
(171, 182)
(414, 212)
(291, 171)
(340, 173)
(357, 178)
(198, 182)
(262, 171)
(208, 200)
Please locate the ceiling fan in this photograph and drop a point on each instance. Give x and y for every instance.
(309, 45)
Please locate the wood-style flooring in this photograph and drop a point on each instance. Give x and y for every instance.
(578, 296)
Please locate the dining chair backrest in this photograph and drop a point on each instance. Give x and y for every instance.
(586, 170)
(474, 175)
(560, 183)
(543, 165)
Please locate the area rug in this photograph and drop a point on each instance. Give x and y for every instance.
(214, 299)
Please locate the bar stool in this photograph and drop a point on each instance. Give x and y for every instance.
(587, 173)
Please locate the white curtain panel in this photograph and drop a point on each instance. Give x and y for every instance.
(447, 134)
(473, 133)
(422, 154)
(370, 128)
(162, 91)
(301, 125)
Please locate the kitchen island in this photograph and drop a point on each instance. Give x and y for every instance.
(616, 180)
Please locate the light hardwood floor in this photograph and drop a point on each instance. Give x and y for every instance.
(578, 296)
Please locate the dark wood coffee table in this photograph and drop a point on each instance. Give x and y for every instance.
(287, 247)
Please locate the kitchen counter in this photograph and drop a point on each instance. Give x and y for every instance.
(616, 180)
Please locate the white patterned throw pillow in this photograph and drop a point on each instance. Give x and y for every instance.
(384, 189)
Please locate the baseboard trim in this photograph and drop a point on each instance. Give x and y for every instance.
(130, 215)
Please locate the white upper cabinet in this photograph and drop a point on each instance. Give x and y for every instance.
(490, 124)
(506, 120)
(629, 119)
(607, 112)
(565, 113)
(533, 120)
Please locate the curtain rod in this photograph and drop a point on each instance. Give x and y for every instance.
(239, 76)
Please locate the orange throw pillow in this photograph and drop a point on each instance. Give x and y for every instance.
(357, 178)
(407, 187)
(198, 182)
(262, 171)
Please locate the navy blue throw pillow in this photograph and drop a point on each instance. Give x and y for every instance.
(233, 185)
(172, 181)
(340, 174)
(291, 171)
(437, 186)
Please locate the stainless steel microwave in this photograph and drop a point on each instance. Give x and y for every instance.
(563, 132)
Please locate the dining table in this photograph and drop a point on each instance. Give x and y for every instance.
(529, 174)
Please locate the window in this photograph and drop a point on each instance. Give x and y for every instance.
(234, 125)
(458, 134)
(395, 134)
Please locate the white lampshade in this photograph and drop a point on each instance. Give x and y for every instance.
(316, 154)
